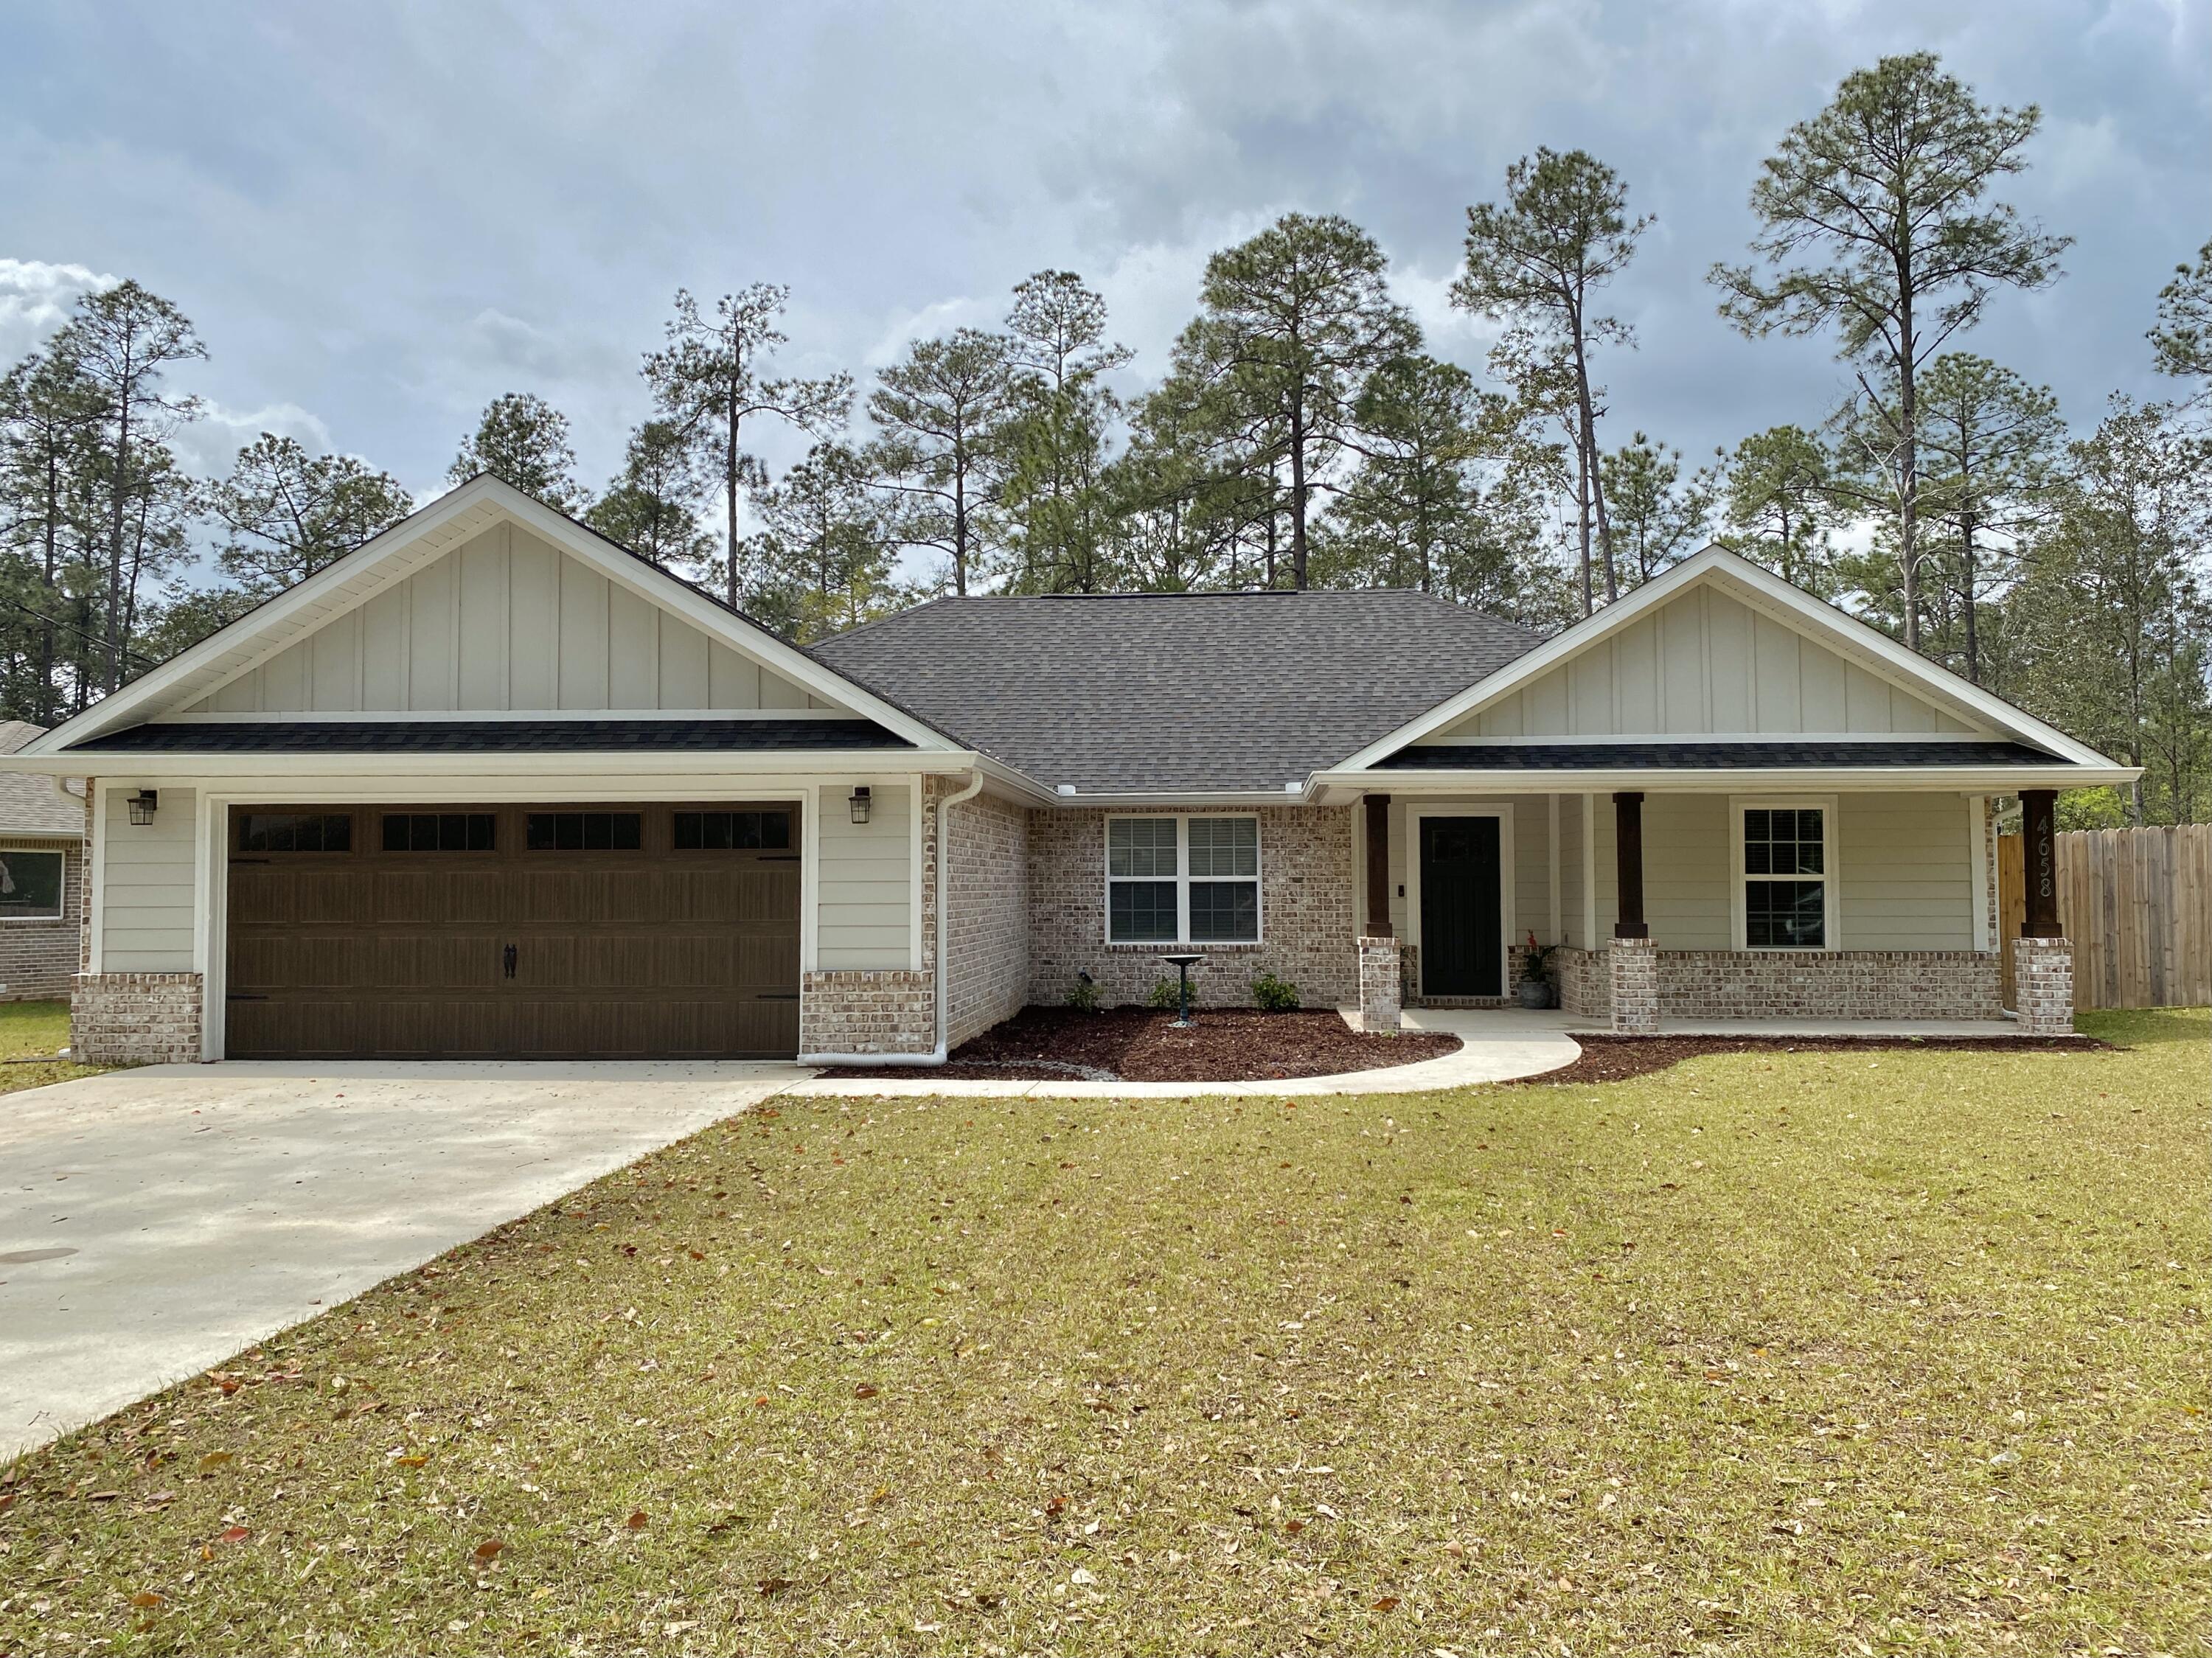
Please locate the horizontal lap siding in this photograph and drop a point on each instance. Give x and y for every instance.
(865, 880)
(1906, 872)
(1686, 869)
(146, 912)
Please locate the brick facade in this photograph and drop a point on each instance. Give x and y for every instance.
(1305, 913)
(1838, 984)
(893, 1011)
(987, 881)
(2043, 985)
(1381, 984)
(136, 1018)
(40, 959)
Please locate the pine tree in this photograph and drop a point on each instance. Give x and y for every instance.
(524, 440)
(1535, 263)
(1888, 185)
(286, 513)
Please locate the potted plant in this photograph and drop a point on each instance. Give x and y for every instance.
(1535, 989)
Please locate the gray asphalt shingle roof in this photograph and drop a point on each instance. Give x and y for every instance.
(28, 805)
(1162, 692)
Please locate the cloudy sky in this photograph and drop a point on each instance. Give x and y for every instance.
(380, 215)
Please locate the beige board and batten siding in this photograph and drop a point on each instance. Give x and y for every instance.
(1703, 665)
(146, 885)
(506, 621)
(864, 880)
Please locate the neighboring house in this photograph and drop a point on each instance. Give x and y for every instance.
(41, 885)
(493, 785)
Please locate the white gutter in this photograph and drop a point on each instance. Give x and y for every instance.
(936, 1055)
(1742, 780)
(566, 762)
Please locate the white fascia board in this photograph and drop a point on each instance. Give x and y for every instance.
(377, 769)
(459, 513)
(1672, 780)
(1768, 591)
(325, 590)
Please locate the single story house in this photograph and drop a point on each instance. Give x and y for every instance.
(494, 785)
(41, 878)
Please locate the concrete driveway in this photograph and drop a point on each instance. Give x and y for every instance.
(155, 1222)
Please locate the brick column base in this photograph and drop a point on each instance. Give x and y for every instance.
(1635, 975)
(135, 1018)
(1381, 985)
(2043, 985)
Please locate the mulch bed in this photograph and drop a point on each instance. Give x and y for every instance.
(1136, 1044)
(1616, 1058)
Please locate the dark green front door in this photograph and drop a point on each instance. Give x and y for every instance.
(1462, 950)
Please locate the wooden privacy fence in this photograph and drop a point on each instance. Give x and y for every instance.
(2136, 903)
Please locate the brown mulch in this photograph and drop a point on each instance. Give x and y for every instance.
(1616, 1058)
(1136, 1044)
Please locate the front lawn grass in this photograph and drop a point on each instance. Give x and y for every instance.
(1768, 1353)
(30, 1034)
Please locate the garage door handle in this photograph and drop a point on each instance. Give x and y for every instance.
(506, 958)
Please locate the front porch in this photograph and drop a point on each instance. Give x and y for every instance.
(1681, 911)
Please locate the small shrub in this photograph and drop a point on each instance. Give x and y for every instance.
(1166, 995)
(1083, 999)
(1273, 995)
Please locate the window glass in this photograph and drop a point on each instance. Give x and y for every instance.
(1781, 909)
(1143, 912)
(1225, 846)
(438, 831)
(296, 831)
(732, 831)
(30, 886)
(1225, 912)
(1141, 846)
(583, 831)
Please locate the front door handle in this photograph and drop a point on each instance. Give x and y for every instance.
(506, 959)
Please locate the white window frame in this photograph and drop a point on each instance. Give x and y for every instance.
(1831, 874)
(1182, 879)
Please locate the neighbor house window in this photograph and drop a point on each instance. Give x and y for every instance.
(1786, 876)
(1182, 880)
(30, 886)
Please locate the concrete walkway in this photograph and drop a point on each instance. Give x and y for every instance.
(153, 1223)
(1500, 1045)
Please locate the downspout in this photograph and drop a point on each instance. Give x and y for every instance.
(936, 1055)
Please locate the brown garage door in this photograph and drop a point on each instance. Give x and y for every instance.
(513, 931)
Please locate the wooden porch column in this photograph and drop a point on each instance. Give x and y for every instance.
(1628, 847)
(1378, 866)
(2039, 848)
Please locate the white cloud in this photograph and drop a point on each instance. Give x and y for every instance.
(35, 298)
(206, 446)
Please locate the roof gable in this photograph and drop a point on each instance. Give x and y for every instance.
(488, 602)
(1718, 646)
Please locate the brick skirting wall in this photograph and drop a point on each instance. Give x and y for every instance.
(891, 1010)
(39, 958)
(987, 882)
(136, 1018)
(1305, 913)
(1843, 984)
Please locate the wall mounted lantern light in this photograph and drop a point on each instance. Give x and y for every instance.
(143, 804)
(860, 804)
